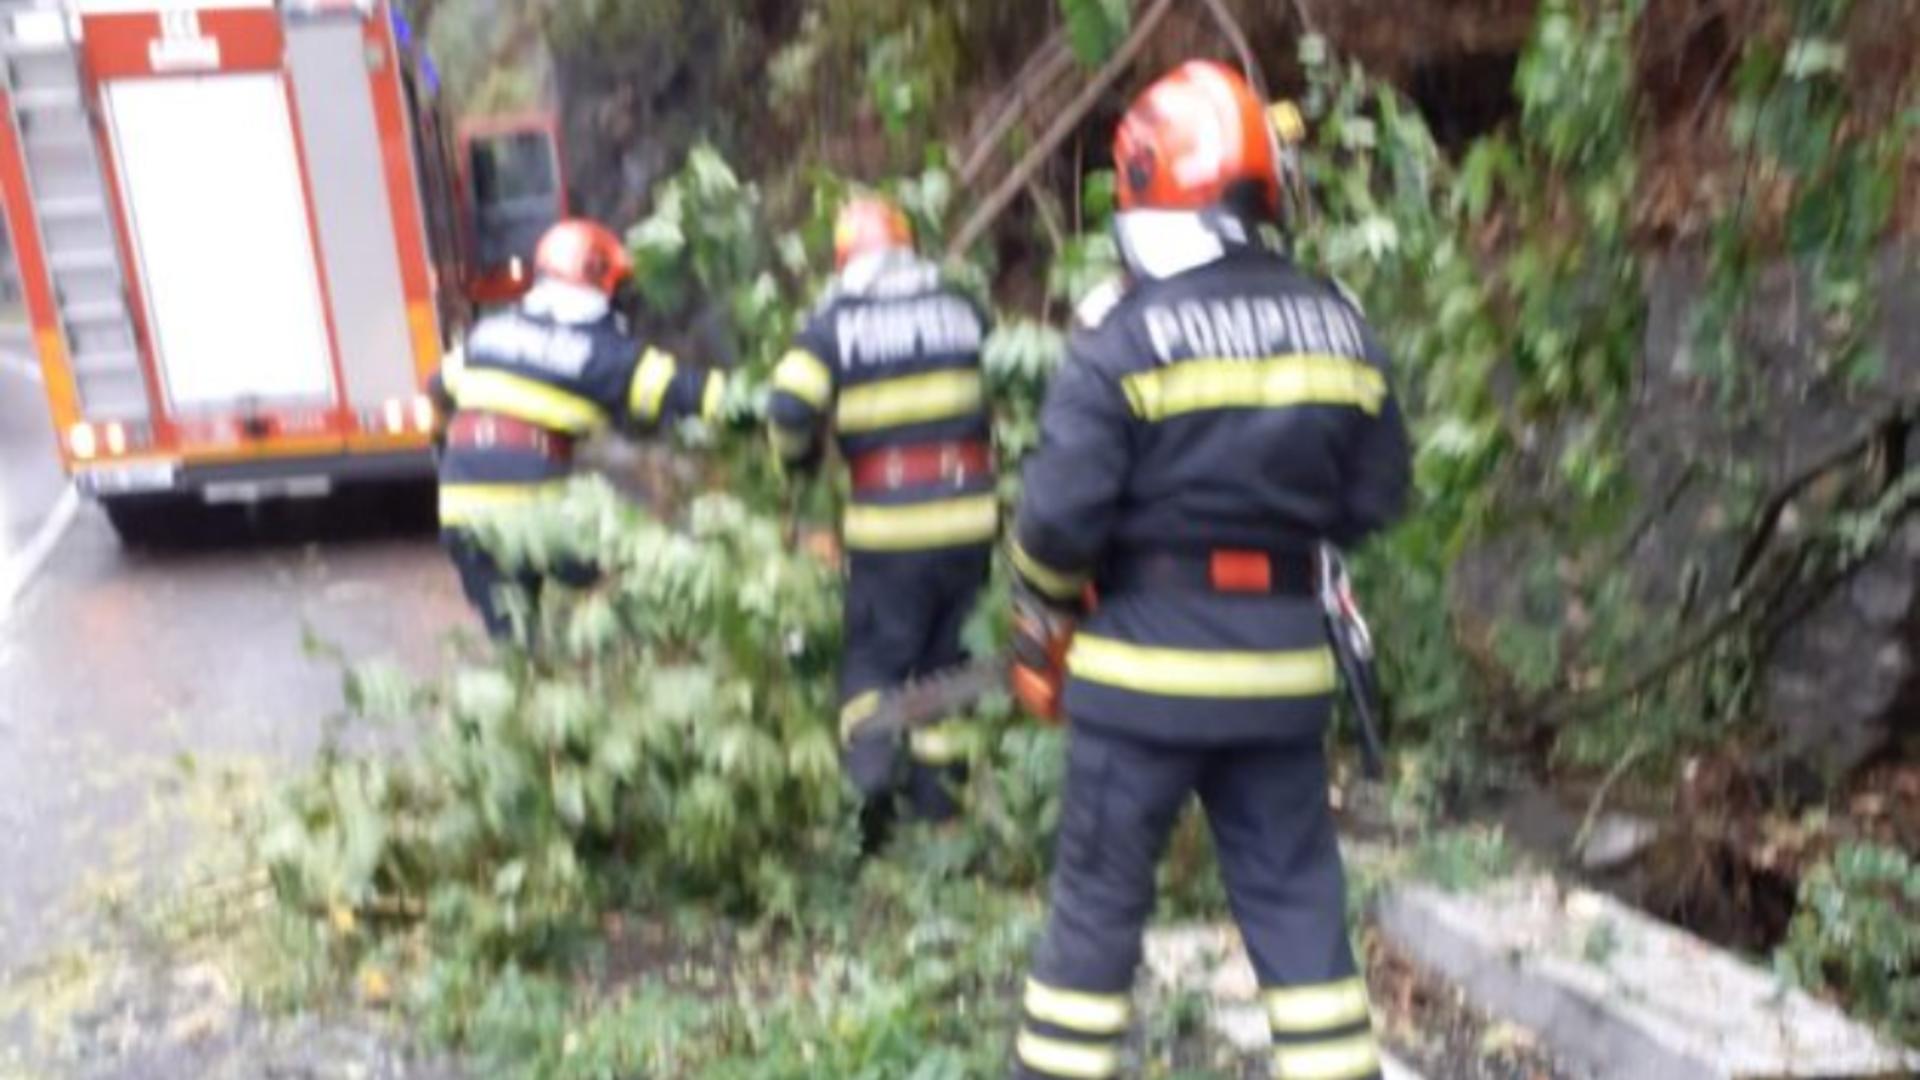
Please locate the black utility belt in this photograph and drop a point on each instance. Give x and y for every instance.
(1228, 571)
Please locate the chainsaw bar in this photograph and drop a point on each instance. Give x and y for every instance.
(931, 699)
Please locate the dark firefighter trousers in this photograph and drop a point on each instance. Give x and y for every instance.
(484, 581)
(904, 615)
(1267, 806)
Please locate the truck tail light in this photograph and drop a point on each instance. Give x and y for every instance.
(88, 440)
(83, 441)
(398, 416)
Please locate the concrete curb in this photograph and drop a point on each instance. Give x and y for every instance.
(1611, 989)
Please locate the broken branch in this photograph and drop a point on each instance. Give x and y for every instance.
(1016, 181)
(1045, 68)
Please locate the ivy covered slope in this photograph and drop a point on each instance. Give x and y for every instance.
(628, 851)
(1598, 530)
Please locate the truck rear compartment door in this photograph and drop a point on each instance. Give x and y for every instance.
(210, 173)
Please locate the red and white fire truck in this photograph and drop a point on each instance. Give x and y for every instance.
(243, 239)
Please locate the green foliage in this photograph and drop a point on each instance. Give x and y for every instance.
(1018, 359)
(469, 41)
(900, 86)
(1096, 28)
(1818, 187)
(1090, 257)
(911, 978)
(1506, 288)
(706, 240)
(1857, 932)
(671, 734)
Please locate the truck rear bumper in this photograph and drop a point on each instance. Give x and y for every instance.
(256, 480)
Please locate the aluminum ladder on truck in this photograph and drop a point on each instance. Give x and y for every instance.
(40, 63)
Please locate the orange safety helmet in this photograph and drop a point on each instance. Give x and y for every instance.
(1197, 138)
(869, 223)
(583, 252)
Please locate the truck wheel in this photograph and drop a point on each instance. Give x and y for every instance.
(145, 522)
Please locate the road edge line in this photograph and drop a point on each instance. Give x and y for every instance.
(18, 571)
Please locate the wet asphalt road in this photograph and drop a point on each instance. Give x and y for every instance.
(113, 661)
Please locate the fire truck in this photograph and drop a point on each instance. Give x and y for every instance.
(245, 234)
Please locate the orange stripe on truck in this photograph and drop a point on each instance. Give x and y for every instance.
(425, 325)
(63, 396)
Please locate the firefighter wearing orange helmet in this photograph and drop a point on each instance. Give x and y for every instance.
(888, 368)
(530, 383)
(1222, 413)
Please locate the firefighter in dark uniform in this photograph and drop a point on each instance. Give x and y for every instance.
(1221, 414)
(889, 367)
(530, 383)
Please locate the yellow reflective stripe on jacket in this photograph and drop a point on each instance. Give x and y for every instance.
(1055, 583)
(1189, 386)
(806, 377)
(503, 392)
(972, 519)
(1306, 1009)
(910, 399)
(1058, 1057)
(1201, 673)
(651, 380)
(464, 504)
(713, 396)
(453, 365)
(1338, 1059)
(1091, 1014)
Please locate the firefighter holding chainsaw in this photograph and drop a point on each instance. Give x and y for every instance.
(1222, 415)
(888, 367)
(532, 382)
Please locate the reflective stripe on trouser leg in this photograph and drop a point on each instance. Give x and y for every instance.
(1323, 1031)
(1355, 1056)
(1038, 1054)
(1117, 808)
(1070, 1033)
